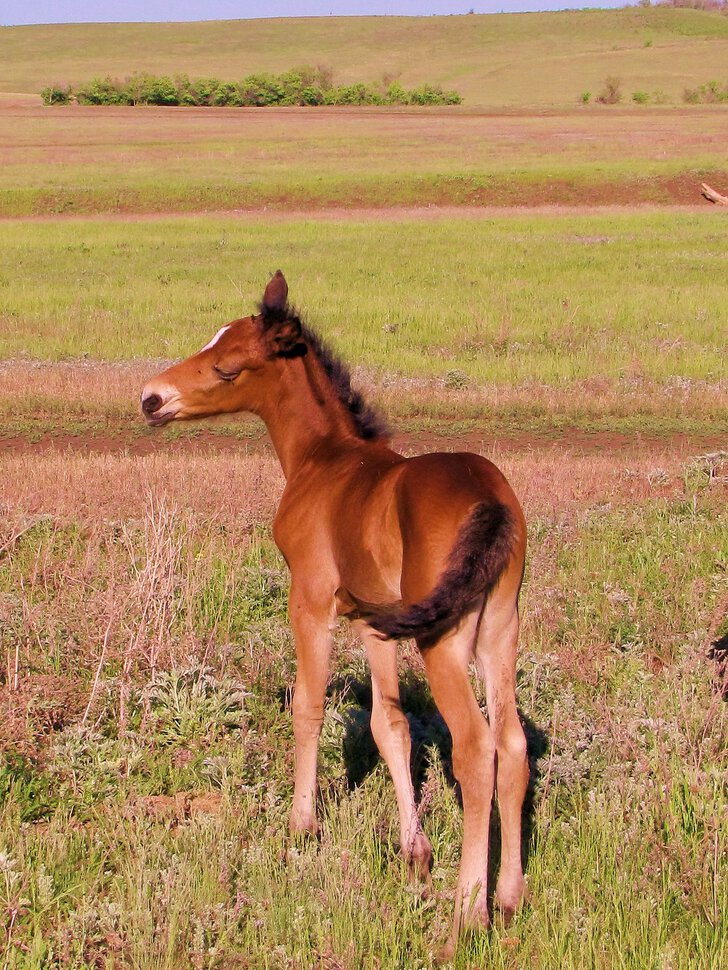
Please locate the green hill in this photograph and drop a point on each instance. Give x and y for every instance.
(492, 60)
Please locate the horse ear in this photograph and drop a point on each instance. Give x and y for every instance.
(275, 298)
(284, 338)
(282, 328)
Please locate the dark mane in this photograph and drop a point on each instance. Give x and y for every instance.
(368, 423)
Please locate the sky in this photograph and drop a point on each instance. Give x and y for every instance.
(104, 11)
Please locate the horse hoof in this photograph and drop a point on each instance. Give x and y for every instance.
(509, 902)
(419, 861)
(447, 951)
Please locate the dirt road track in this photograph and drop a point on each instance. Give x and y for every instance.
(204, 441)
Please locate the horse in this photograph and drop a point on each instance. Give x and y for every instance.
(430, 547)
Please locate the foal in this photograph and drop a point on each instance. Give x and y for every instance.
(430, 547)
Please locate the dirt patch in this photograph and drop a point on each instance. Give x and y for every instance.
(593, 206)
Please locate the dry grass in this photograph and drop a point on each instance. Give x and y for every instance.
(65, 160)
(240, 491)
(236, 490)
(339, 140)
(98, 399)
(146, 652)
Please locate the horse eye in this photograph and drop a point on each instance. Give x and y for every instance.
(225, 375)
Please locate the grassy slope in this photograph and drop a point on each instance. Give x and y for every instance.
(489, 59)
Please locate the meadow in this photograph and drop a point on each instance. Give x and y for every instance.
(516, 282)
(496, 334)
(148, 663)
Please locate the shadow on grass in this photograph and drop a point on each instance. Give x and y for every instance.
(430, 742)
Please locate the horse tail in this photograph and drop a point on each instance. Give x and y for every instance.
(481, 553)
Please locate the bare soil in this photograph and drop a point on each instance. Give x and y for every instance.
(599, 200)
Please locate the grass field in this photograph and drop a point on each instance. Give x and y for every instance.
(488, 59)
(126, 160)
(507, 339)
(146, 662)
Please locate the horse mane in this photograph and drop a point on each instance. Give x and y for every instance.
(369, 424)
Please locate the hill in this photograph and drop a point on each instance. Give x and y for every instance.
(497, 60)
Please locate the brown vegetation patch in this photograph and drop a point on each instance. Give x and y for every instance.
(33, 708)
(174, 809)
(240, 488)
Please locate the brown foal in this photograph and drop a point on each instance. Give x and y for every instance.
(430, 547)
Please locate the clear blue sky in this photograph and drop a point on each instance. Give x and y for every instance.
(98, 11)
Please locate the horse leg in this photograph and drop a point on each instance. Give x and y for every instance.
(391, 733)
(496, 659)
(313, 635)
(473, 757)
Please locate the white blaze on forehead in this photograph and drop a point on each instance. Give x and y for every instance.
(215, 339)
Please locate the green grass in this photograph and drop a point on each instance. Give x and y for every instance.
(628, 830)
(488, 59)
(504, 300)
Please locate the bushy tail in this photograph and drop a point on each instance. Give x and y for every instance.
(478, 558)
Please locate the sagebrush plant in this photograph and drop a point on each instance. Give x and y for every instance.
(612, 91)
(190, 704)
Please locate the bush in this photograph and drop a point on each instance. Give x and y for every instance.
(428, 94)
(711, 93)
(640, 97)
(585, 97)
(612, 93)
(353, 94)
(161, 91)
(103, 91)
(304, 86)
(55, 94)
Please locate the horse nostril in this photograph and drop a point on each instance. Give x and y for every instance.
(151, 404)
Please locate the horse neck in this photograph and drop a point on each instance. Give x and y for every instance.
(301, 411)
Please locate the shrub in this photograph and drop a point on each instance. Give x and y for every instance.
(204, 90)
(427, 94)
(103, 91)
(711, 93)
(353, 94)
(55, 94)
(456, 379)
(161, 91)
(260, 90)
(640, 97)
(612, 93)
(396, 94)
(585, 97)
(301, 86)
